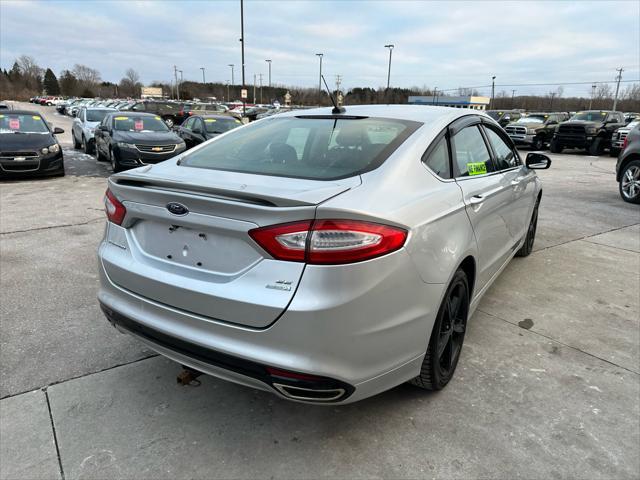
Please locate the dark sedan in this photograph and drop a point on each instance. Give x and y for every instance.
(130, 139)
(200, 128)
(28, 146)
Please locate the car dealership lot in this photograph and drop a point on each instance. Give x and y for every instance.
(548, 384)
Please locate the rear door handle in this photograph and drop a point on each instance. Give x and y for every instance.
(517, 181)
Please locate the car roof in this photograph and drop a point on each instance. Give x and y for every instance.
(24, 112)
(416, 113)
(101, 108)
(225, 117)
(128, 112)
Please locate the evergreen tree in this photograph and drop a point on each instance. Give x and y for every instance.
(14, 73)
(51, 85)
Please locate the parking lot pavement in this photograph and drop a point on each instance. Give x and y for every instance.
(548, 384)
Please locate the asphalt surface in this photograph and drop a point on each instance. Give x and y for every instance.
(548, 385)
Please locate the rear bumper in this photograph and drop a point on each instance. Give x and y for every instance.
(366, 338)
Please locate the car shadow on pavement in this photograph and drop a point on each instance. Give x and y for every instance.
(80, 164)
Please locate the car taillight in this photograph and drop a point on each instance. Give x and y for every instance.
(113, 208)
(329, 242)
(626, 142)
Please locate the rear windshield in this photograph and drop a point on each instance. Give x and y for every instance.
(22, 123)
(96, 115)
(532, 119)
(221, 125)
(590, 116)
(314, 148)
(135, 123)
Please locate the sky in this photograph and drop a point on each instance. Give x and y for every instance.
(437, 44)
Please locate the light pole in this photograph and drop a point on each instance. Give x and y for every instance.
(435, 95)
(228, 96)
(320, 55)
(390, 47)
(269, 62)
(175, 73)
(180, 84)
(202, 68)
(232, 81)
(493, 90)
(593, 94)
(513, 94)
(244, 108)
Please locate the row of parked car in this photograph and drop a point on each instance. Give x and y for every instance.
(131, 138)
(592, 130)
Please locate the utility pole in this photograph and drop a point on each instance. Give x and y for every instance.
(228, 95)
(260, 75)
(203, 82)
(232, 79)
(593, 94)
(435, 95)
(513, 94)
(338, 82)
(175, 73)
(619, 78)
(269, 62)
(493, 90)
(254, 88)
(390, 47)
(553, 94)
(180, 82)
(244, 108)
(320, 55)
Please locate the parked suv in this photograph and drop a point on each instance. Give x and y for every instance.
(590, 130)
(504, 117)
(535, 130)
(84, 126)
(172, 113)
(628, 167)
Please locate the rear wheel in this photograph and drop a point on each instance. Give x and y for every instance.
(555, 147)
(99, 156)
(630, 182)
(447, 336)
(527, 247)
(597, 147)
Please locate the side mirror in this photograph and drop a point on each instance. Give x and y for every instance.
(538, 161)
(57, 131)
(103, 128)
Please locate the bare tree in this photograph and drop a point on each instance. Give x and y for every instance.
(132, 76)
(29, 67)
(86, 75)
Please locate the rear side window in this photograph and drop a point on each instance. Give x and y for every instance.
(437, 159)
(505, 156)
(321, 148)
(471, 154)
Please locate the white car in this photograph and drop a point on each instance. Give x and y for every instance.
(84, 126)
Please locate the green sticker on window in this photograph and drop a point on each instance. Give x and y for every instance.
(477, 168)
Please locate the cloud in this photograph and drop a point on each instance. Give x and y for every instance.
(444, 44)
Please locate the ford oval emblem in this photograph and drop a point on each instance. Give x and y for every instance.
(177, 208)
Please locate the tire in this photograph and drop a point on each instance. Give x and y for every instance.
(537, 144)
(76, 143)
(555, 147)
(86, 146)
(170, 122)
(447, 336)
(597, 147)
(99, 156)
(529, 239)
(115, 165)
(630, 182)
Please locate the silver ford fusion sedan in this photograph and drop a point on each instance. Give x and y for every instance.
(322, 255)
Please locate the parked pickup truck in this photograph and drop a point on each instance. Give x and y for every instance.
(536, 129)
(619, 136)
(590, 130)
